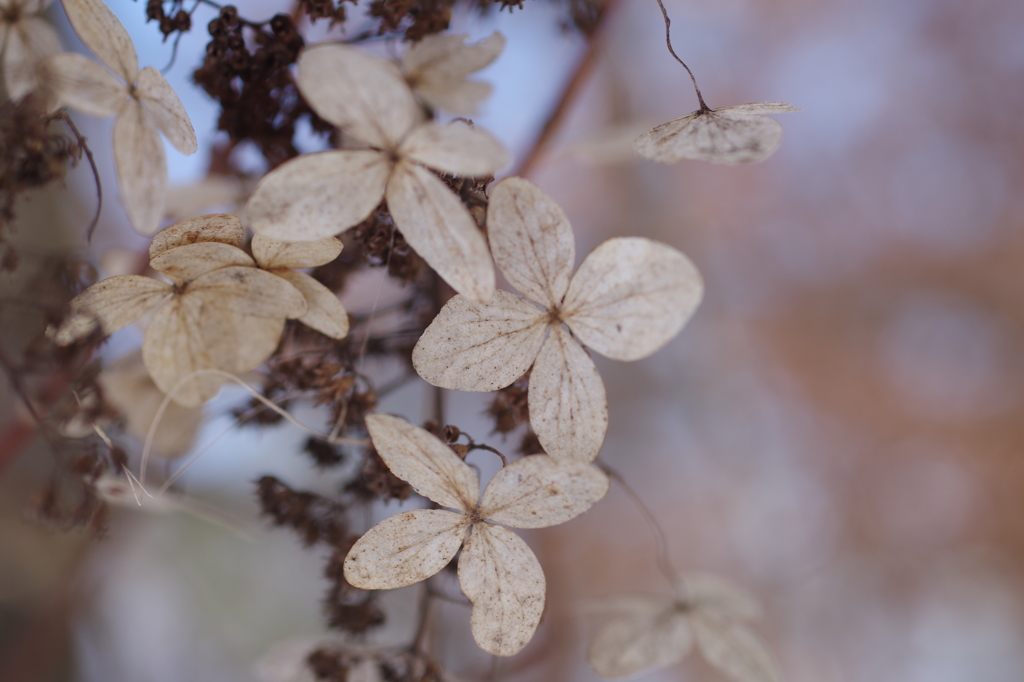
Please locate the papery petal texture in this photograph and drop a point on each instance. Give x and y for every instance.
(538, 491)
(325, 312)
(173, 349)
(222, 228)
(141, 168)
(456, 148)
(447, 56)
(166, 110)
(78, 82)
(717, 597)
(461, 97)
(238, 343)
(273, 254)
(29, 41)
(185, 263)
(756, 109)
(249, 291)
(641, 641)
(733, 649)
(102, 33)
(112, 303)
(708, 136)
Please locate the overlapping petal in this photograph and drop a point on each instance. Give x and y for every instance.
(437, 67)
(186, 263)
(78, 82)
(237, 342)
(734, 649)
(111, 304)
(166, 110)
(456, 148)
(222, 228)
(249, 291)
(272, 254)
(173, 349)
(539, 491)
(652, 639)
(104, 35)
(324, 312)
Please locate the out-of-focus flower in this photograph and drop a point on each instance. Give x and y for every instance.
(438, 68)
(26, 39)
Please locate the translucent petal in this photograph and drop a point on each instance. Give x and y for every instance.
(717, 597)
(29, 41)
(404, 549)
(184, 263)
(447, 56)
(480, 346)
(78, 82)
(456, 149)
(168, 113)
(273, 254)
(102, 33)
(733, 649)
(629, 644)
(236, 342)
(756, 109)
(222, 228)
(631, 296)
(708, 136)
(248, 291)
(325, 312)
(427, 464)
(173, 349)
(112, 303)
(141, 168)
(462, 97)
(538, 491)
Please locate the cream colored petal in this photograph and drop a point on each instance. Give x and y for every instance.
(29, 41)
(717, 597)
(448, 56)
(248, 291)
(112, 303)
(441, 230)
(631, 296)
(642, 641)
(365, 96)
(480, 346)
(167, 111)
(624, 605)
(141, 168)
(733, 649)
(102, 33)
(173, 349)
(273, 254)
(708, 136)
(531, 240)
(236, 342)
(538, 491)
(222, 228)
(184, 263)
(460, 97)
(568, 406)
(456, 149)
(318, 195)
(501, 576)
(78, 82)
(325, 314)
(405, 549)
(756, 109)
(427, 464)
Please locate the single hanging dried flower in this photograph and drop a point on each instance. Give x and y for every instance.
(629, 297)
(653, 632)
(143, 101)
(220, 312)
(438, 66)
(318, 195)
(26, 39)
(497, 570)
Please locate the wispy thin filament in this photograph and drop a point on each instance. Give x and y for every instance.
(668, 41)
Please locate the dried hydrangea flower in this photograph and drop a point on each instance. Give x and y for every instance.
(219, 312)
(653, 632)
(737, 134)
(438, 68)
(497, 570)
(143, 101)
(628, 298)
(318, 195)
(26, 39)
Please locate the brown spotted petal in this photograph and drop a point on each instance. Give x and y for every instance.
(223, 228)
(111, 304)
(539, 491)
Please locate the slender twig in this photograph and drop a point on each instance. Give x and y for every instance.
(668, 41)
(481, 446)
(95, 172)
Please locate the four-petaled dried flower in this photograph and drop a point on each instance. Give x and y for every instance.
(737, 134)
(438, 67)
(319, 195)
(653, 632)
(629, 297)
(143, 101)
(26, 39)
(497, 570)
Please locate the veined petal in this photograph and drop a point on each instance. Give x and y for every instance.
(168, 113)
(318, 195)
(141, 168)
(733, 649)
(222, 228)
(325, 313)
(405, 548)
(112, 303)
(102, 33)
(78, 82)
(173, 349)
(29, 41)
(480, 346)
(248, 291)
(538, 491)
(568, 405)
(185, 263)
(631, 296)
(708, 136)
(427, 464)
(502, 577)
(365, 96)
(441, 230)
(756, 109)
(236, 342)
(456, 148)
(629, 644)
(531, 240)
(273, 254)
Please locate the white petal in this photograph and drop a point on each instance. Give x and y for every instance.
(273, 254)
(141, 168)
(531, 240)
(236, 342)
(461, 97)
(222, 228)
(29, 41)
(112, 303)
(538, 491)
(173, 349)
(717, 597)
(441, 230)
(501, 576)
(631, 296)
(404, 549)
(456, 149)
(733, 649)
(102, 33)
(756, 109)
(326, 314)
(163, 105)
(427, 464)
(627, 645)
(708, 136)
(78, 82)
(318, 195)
(365, 96)
(184, 263)
(568, 406)
(480, 346)
(447, 56)
(248, 291)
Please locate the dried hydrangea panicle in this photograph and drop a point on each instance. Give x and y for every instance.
(319, 195)
(438, 68)
(653, 632)
(143, 101)
(497, 570)
(26, 39)
(628, 298)
(737, 134)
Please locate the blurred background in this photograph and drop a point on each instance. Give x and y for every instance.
(840, 427)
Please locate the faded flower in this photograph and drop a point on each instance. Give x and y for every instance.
(26, 39)
(497, 570)
(438, 69)
(628, 298)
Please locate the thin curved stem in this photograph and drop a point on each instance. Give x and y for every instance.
(668, 41)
